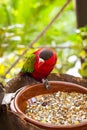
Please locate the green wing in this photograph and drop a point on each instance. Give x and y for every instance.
(29, 64)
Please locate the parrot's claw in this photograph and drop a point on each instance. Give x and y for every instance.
(46, 84)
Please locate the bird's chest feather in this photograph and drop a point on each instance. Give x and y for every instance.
(42, 71)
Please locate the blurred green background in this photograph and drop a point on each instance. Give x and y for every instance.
(22, 20)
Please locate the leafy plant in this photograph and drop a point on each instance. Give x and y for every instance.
(22, 20)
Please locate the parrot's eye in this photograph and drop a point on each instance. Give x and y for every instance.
(46, 54)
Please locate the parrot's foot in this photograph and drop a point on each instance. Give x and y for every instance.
(46, 84)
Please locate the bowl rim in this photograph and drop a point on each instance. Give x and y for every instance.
(48, 125)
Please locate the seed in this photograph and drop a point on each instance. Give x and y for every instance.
(76, 122)
(44, 103)
(60, 108)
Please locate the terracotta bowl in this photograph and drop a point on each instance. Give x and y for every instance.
(38, 89)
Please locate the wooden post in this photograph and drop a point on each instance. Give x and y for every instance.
(81, 12)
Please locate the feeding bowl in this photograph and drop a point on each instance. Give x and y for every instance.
(29, 92)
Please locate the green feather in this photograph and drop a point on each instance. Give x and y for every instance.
(29, 64)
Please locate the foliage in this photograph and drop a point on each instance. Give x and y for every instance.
(22, 20)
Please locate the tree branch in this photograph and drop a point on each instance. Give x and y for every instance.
(59, 47)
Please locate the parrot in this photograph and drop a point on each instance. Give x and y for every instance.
(35, 68)
(39, 64)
